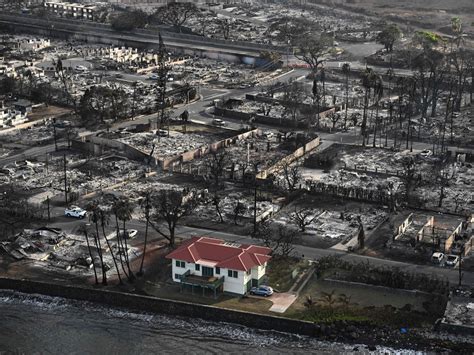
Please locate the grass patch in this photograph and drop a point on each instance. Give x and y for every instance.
(381, 316)
(324, 302)
(280, 272)
(246, 304)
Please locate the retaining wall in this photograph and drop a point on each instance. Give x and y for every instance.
(204, 150)
(290, 158)
(162, 306)
(274, 121)
(95, 145)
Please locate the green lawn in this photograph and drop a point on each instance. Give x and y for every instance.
(280, 272)
(358, 303)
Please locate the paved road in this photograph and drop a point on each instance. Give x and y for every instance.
(71, 225)
(198, 111)
(315, 253)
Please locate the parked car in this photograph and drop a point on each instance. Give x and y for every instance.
(80, 68)
(162, 133)
(264, 291)
(129, 233)
(218, 122)
(426, 153)
(437, 258)
(452, 260)
(75, 211)
(268, 135)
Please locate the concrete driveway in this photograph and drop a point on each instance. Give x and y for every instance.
(282, 301)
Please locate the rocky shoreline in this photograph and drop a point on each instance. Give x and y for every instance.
(372, 336)
(348, 332)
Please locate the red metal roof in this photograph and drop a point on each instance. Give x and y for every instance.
(224, 254)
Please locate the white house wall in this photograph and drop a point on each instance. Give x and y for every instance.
(231, 284)
(234, 285)
(258, 272)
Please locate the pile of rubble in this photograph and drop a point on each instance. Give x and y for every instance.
(162, 145)
(337, 223)
(60, 250)
(228, 203)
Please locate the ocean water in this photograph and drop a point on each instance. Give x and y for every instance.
(35, 324)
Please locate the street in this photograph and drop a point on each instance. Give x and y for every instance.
(199, 112)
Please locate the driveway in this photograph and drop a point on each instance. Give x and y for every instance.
(282, 301)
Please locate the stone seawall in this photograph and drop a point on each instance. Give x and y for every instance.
(355, 332)
(161, 306)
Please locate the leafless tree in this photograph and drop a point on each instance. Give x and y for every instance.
(239, 210)
(287, 237)
(170, 206)
(293, 98)
(443, 178)
(216, 165)
(409, 176)
(312, 49)
(176, 13)
(302, 218)
(292, 175)
(216, 202)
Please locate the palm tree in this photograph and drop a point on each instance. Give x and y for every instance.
(378, 93)
(368, 79)
(346, 69)
(329, 299)
(94, 216)
(123, 211)
(146, 206)
(104, 220)
(456, 28)
(83, 229)
(116, 206)
(391, 76)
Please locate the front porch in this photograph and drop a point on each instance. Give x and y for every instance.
(212, 283)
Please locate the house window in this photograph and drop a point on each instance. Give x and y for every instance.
(218, 270)
(180, 263)
(232, 273)
(177, 276)
(198, 267)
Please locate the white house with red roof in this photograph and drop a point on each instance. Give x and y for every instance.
(219, 265)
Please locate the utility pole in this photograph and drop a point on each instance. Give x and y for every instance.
(55, 137)
(460, 265)
(255, 200)
(65, 179)
(49, 215)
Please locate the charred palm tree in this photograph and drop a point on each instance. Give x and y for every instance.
(84, 231)
(368, 80)
(346, 69)
(104, 220)
(146, 206)
(94, 216)
(123, 210)
(116, 211)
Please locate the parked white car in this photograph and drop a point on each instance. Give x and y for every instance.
(80, 68)
(218, 122)
(129, 233)
(452, 260)
(74, 211)
(437, 258)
